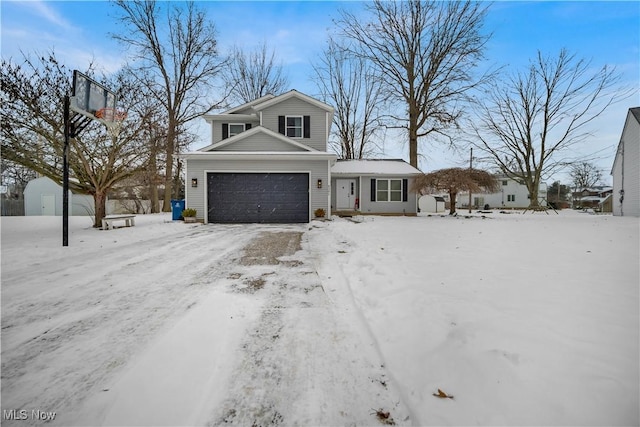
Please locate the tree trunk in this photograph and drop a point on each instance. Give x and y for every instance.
(452, 202)
(413, 137)
(153, 179)
(177, 183)
(533, 194)
(533, 202)
(100, 201)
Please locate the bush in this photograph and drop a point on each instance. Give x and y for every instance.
(188, 212)
(319, 213)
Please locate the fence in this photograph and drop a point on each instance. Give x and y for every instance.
(12, 207)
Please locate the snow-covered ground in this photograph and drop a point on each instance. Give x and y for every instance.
(522, 319)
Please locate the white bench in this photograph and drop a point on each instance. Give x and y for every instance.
(107, 221)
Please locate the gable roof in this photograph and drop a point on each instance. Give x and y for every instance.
(253, 131)
(250, 104)
(636, 113)
(374, 167)
(292, 94)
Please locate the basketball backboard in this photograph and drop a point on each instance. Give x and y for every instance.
(90, 97)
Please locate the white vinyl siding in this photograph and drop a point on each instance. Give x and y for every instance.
(626, 170)
(259, 142)
(297, 108)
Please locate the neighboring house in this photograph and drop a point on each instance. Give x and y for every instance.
(626, 168)
(593, 198)
(512, 195)
(373, 187)
(43, 196)
(268, 163)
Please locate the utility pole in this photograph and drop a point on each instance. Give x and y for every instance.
(470, 169)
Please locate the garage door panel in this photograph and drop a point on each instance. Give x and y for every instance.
(258, 197)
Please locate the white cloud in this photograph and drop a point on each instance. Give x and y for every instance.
(44, 10)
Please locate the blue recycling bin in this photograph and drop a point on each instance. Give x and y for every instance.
(177, 206)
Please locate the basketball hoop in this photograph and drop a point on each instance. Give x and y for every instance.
(112, 119)
(111, 115)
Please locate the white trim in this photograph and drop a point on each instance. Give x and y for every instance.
(206, 186)
(329, 189)
(286, 126)
(244, 128)
(210, 118)
(259, 155)
(293, 94)
(389, 190)
(187, 184)
(328, 123)
(251, 103)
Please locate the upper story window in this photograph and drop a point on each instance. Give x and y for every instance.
(294, 126)
(235, 128)
(232, 129)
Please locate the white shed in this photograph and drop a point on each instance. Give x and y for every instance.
(431, 203)
(43, 196)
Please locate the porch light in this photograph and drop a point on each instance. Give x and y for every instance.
(194, 182)
(319, 183)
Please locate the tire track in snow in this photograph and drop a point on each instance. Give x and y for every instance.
(303, 363)
(63, 343)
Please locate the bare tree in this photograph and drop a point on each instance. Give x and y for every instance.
(176, 68)
(33, 132)
(254, 74)
(15, 177)
(531, 120)
(425, 53)
(349, 84)
(584, 175)
(455, 180)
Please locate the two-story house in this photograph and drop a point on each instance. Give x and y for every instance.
(268, 163)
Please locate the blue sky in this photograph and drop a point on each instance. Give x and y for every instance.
(603, 32)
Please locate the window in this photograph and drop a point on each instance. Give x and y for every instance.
(294, 126)
(505, 182)
(511, 197)
(235, 128)
(389, 190)
(232, 129)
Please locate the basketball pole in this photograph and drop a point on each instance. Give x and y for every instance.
(65, 173)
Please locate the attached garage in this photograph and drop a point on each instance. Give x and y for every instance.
(268, 197)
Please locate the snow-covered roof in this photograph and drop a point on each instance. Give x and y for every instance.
(374, 167)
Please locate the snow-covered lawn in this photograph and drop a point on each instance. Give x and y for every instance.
(522, 319)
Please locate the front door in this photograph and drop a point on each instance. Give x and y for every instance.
(345, 194)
